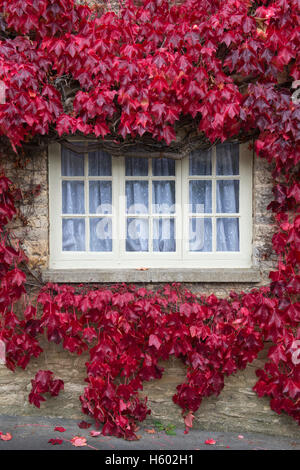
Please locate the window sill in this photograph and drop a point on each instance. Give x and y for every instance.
(241, 275)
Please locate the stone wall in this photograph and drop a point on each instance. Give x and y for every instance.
(34, 236)
(236, 409)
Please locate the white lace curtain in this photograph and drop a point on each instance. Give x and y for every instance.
(227, 197)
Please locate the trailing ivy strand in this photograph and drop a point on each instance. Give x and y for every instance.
(230, 66)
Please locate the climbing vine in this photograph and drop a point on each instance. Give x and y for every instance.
(229, 67)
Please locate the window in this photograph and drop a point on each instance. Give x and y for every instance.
(112, 212)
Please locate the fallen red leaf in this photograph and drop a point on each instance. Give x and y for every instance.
(95, 433)
(59, 429)
(55, 442)
(188, 420)
(151, 431)
(5, 437)
(84, 425)
(210, 442)
(78, 441)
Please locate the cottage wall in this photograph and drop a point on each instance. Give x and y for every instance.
(237, 408)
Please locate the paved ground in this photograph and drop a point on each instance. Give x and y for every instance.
(33, 433)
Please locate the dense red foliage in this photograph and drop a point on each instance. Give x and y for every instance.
(44, 383)
(142, 71)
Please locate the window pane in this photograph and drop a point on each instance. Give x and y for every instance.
(200, 162)
(200, 234)
(228, 196)
(137, 197)
(164, 235)
(73, 197)
(101, 234)
(228, 235)
(163, 167)
(72, 163)
(99, 164)
(227, 159)
(73, 231)
(135, 166)
(100, 197)
(137, 235)
(200, 196)
(163, 197)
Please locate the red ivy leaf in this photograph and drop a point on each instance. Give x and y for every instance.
(95, 433)
(79, 441)
(59, 429)
(155, 341)
(84, 425)
(5, 437)
(55, 442)
(210, 442)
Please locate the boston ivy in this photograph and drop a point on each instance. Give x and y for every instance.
(229, 66)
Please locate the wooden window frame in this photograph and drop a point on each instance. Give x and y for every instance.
(119, 258)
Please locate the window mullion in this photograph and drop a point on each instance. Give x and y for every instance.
(178, 208)
(214, 200)
(87, 199)
(185, 229)
(115, 217)
(150, 212)
(121, 214)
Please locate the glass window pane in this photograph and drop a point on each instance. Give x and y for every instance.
(163, 167)
(101, 234)
(99, 164)
(72, 163)
(164, 235)
(135, 166)
(228, 234)
(227, 159)
(200, 196)
(100, 197)
(73, 234)
(73, 197)
(200, 238)
(137, 235)
(137, 197)
(200, 162)
(163, 197)
(228, 196)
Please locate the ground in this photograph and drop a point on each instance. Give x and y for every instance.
(33, 433)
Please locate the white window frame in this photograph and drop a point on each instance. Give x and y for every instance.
(119, 258)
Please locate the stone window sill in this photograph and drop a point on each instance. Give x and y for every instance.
(250, 275)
